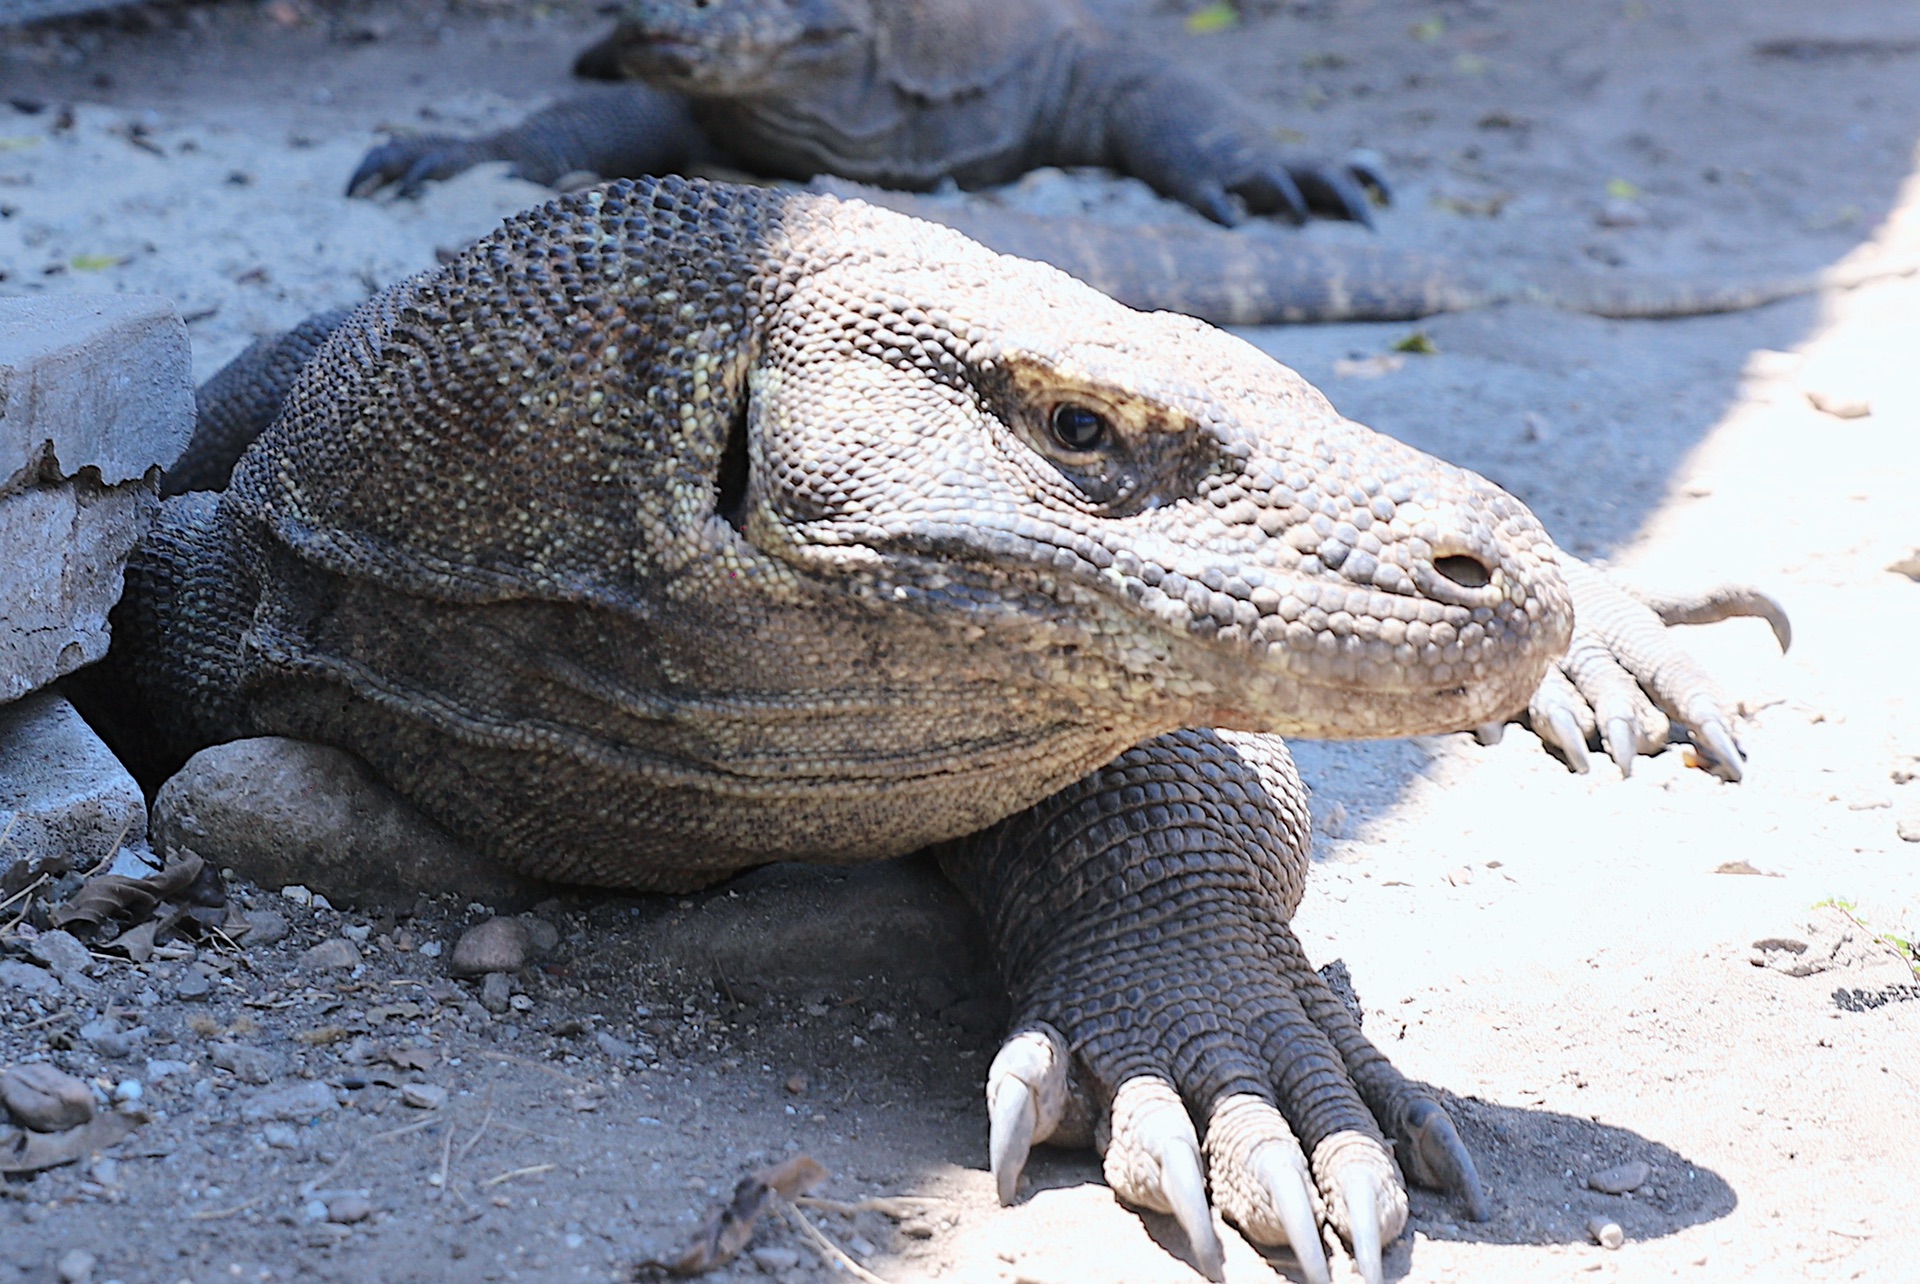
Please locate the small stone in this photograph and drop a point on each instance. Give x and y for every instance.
(1908, 827)
(617, 1048)
(247, 1064)
(104, 1035)
(423, 1096)
(76, 1266)
(265, 927)
(159, 1068)
(1907, 564)
(496, 993)
(194, 987)
(1605, 1233)
(1620, 1178)
(280, 1136)
(861, 1246)
(430, 949)
(27, 979)
(1841, 405)
(62, 953)
(775, 1260)
(315, 1210)
(333, 954)
(297, 894)
(797, 1083)
(296, 1104)
(497, 945)
(128, 1091)
(881, 1021)
(521, 1002)
(357, 932)
(1619, 211)
(542, 935)
(349, 1208)
(44, 1098)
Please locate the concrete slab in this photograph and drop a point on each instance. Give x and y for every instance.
(65, 800)
(95, 394)
(92, 381)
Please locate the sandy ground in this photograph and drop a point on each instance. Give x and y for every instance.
(1569, 955)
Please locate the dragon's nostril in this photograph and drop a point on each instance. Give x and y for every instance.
(1468, 572)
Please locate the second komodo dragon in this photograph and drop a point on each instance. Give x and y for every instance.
(907, 93)
(675, 528)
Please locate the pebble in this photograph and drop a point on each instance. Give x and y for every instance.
(497, 945)
(194, 987)
(797, 1082)
(332, 954)
(1620, 1178)
(775, 1260)
(423, 1096)
(295, 1104)
(617, 1048)
(76, 1266)
(542, 935)
(280, 1136)
(349, 1208)
(430, 949)
(247, 1064)
(881, 1021)
(297, 894)
(496, 993)
(128, 1091)
(28, 979)
(357, 932)
(104, 1035)
(315, 1210)
(159, 1068)
(62, 952)
(265, 927)
(44, 1098)
(1605, 1233)
(1908, 827)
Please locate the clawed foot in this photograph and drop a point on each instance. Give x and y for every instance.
(1171, 1020)
(1237, 185)
(409, 164)
(1625, 681)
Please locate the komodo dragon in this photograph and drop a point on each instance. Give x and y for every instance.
(908, 93)
(677, 528)
(898, 93)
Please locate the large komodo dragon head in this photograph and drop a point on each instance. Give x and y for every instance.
(816, 496)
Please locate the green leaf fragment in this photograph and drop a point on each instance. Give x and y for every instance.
(1212, 18)
(1419, 342)
(95, 262)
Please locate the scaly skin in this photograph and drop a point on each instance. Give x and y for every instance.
(904, 94)
(676, 528)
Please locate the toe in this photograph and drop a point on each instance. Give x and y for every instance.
(1261, 1182)
(1027, 1092)
(1153, 1162)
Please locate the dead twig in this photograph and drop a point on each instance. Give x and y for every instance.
(532, 1064)
(829, 1251)
(529, 1171)
(898, 1207)
(217, 1214)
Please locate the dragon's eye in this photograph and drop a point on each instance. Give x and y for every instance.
(1076, 427)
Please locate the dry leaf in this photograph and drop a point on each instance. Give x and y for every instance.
(107, 897)
(728, 1228)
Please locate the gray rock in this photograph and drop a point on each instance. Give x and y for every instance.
(105, 1036)
(334, 953)
(349, 1208)
(65, 800)
(1908, 827)
(1620, 1178)
(60, 951)
(296, 1104)
(265, 927)
(281, 811)
(194, 987)
(75, 1266)
(617, 1048)
(247, 1064)
(101, 383)
(496, 993)
(542, 935)
(423, 1096)
(45, 1098)
(497, 945)
(25, 978)
(280, 1136)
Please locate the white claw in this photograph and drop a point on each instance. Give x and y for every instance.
(1026, 1094)
(1623, 743)
(1725, 751)
(1286, 1185)
(1185, 1188)
(1363, 1217)
(1564, 729)
(1011, 1118)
